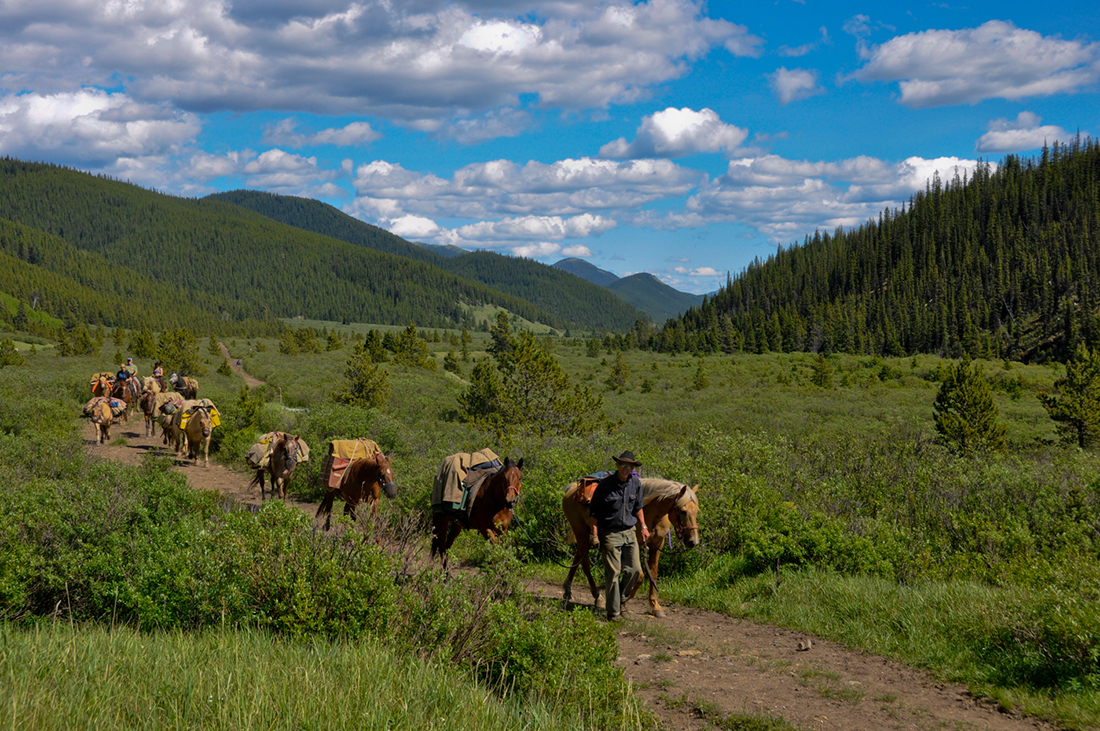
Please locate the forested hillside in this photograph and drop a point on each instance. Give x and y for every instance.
(654, 297)
(250, 265)
(565, 296)
(1004, 264)
(47, 274)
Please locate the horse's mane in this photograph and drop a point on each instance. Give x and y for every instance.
(655, 488)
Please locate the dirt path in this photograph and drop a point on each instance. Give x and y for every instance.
(250, 381)
(694, 659)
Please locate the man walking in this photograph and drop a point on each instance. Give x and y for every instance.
(617, 508)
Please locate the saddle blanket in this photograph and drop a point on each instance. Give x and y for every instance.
(341, 453)
(260, 453)
(215, 417)
(451, 489)
(117, 406)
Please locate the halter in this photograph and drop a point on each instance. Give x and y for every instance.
(512, 488)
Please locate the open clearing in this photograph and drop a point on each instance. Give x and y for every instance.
(696, 665)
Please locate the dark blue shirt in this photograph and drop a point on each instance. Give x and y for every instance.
(614, 503)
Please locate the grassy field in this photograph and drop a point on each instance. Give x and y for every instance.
(984, 570)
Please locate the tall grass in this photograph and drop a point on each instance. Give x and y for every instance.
(54, 676)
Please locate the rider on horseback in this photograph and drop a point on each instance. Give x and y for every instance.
(158, 375)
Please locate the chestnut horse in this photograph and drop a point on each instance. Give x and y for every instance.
(102, 385)
(127, 391)
(490, 515)
(149, 409)
(280, 465)
(364, 481)
(666, 505)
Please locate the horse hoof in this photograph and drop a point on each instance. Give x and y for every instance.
(659, 613)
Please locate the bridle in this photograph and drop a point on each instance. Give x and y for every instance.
(512, 489)
(384, 472)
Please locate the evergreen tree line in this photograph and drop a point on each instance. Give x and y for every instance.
(1004, 263)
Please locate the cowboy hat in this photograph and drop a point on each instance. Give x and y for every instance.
(627, 457)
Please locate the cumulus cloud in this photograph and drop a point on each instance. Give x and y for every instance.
(1026, 132)
(676, 133)
(996, 60)
(785, 199)
(577, 250)
(283, 172)
(91, 127)
(286, 133)
(698, 272)
(503, 188)
(416, 63)
(793, 84)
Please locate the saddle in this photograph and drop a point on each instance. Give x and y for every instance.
(587, 486)
(341, 453)
(459, 479)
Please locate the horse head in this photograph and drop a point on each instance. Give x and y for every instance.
(289, 450)
(202, 414)
(385, 475)
(507, 481)
(685, 516)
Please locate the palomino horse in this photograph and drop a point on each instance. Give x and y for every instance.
(198, 431)
(102, 417)
(102, 386)
(280, 465)
(666, 505)
(490, 515)
(364, 481)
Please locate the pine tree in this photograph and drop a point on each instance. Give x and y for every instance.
(964, 411)
(1077, 409)
(620, 373)
(822, 376)
(368, 384)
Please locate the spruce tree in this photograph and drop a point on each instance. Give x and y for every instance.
(964, 411)
(1077, 407)
(368, 384)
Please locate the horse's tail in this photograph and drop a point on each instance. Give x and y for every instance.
(325, 508)
(257, 478)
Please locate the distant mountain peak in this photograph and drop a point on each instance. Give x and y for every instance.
(586, 271)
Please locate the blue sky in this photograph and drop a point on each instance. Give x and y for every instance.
(674, 137)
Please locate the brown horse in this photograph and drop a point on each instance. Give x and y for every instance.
(128, 391)
(364, 481)
(280, 465)
(187, 387)
(666, 505)
(490, 515)
(149, 409)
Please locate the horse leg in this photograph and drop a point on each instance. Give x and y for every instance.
(580, 554)
(326, 508)
(586, 566)
(260, 478)
(654, 556)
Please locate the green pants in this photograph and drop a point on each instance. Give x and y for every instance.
(622, 567)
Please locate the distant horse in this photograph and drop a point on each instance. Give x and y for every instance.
(364, 482)
(152, 385)
(491, 513)
(280, 465)
(102, 417)
(666, 504)
(102, 385)
(128, 391)
(149, 409)
(187, 387)
(198, 432)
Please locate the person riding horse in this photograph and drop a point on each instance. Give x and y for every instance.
(158, 374)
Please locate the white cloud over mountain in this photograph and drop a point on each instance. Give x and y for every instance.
(1026, 132)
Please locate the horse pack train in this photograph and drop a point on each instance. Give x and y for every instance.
(476, 491)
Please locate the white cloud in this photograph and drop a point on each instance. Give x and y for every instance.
(503, 188)
(996, 60)
(806, 48)
(286, 133)
(577, 250)
(420, 64)
(675, 133)
(786, 199)
(794, 84)
(91, 127)
(1026, 132)
(283, 172)
(536, 251)
(698, 272)
(415, 228)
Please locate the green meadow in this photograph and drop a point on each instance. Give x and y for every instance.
(832, 510)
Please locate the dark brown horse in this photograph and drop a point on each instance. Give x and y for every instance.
(364, 481)
(149, 409)
(666, 505)
(187, 387)
(129, 391)
(490, 515)
(280, 465)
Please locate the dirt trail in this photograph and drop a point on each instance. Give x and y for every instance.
(250, 381)
(694, 658)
